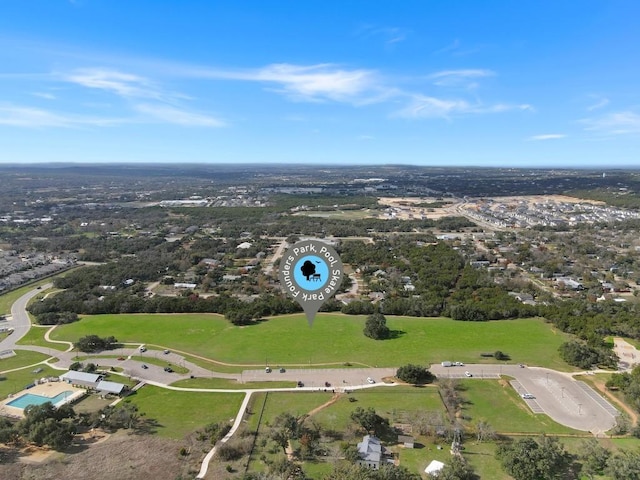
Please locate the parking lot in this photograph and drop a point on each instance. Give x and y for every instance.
(567, 401)
(338, 378)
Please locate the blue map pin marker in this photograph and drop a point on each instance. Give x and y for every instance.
(311, 273)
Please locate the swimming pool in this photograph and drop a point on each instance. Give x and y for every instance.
(31, 399)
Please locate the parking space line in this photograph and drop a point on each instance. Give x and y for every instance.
(598, 398)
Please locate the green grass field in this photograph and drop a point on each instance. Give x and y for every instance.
(22, 358)
(7, 299)
(35, 336)
(396, 404)
(180, 413)
(15, 381)
(288, 340)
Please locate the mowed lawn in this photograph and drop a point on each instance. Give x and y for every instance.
(180, 413)
(288, 340)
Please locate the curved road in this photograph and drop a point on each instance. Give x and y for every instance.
(20, 318)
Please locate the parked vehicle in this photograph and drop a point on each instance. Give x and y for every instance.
(446, 364)
(468, 374)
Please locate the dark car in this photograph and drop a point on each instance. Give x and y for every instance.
(168, 369)
(300, 384)
(144, 366)
(282, 370)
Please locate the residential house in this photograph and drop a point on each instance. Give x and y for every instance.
(371, 452)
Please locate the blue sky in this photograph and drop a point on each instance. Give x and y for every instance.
(474, 83)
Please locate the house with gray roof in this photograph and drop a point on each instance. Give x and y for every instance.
(371, 452)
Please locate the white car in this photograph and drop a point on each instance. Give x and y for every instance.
(528, 396)
(468, 374)
(370, 380)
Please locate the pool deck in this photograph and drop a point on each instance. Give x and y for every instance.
(49, 389)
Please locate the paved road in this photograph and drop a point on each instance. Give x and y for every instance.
(20, 321)
(557, 394)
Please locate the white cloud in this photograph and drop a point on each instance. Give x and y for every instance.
(45, 95)
(600, 103)
(177, 116)
(547, 136)
(390, 35)
(317, 82)
(123, 84)
(456, 78)
(31, 117)
(455, 49)
(126, 85)
(619, 123)
(314, 83)
(18, 116)
(431, 107)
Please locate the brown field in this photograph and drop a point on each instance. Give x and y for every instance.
(122, 456)
(405, 210)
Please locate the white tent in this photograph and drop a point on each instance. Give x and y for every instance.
(434, 467)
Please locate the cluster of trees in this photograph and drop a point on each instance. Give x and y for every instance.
(629, 384)
(370, 421)
(531, 459)
(591, 321)
(451, 394)
(582, 355)
(347, 471)
(75, 301)
(545, 457)
(344, 470)
(213, 432)
(442, 283)
(94, 343)
(56, 318)
(55, 427)
(287, 427)
(42, 425)
(415, 374)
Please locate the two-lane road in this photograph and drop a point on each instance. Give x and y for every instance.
(20, 321)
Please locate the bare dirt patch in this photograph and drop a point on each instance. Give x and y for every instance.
(406, 208)
(122, 456)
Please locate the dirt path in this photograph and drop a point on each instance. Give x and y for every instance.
(612, 398)
(333, 400)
